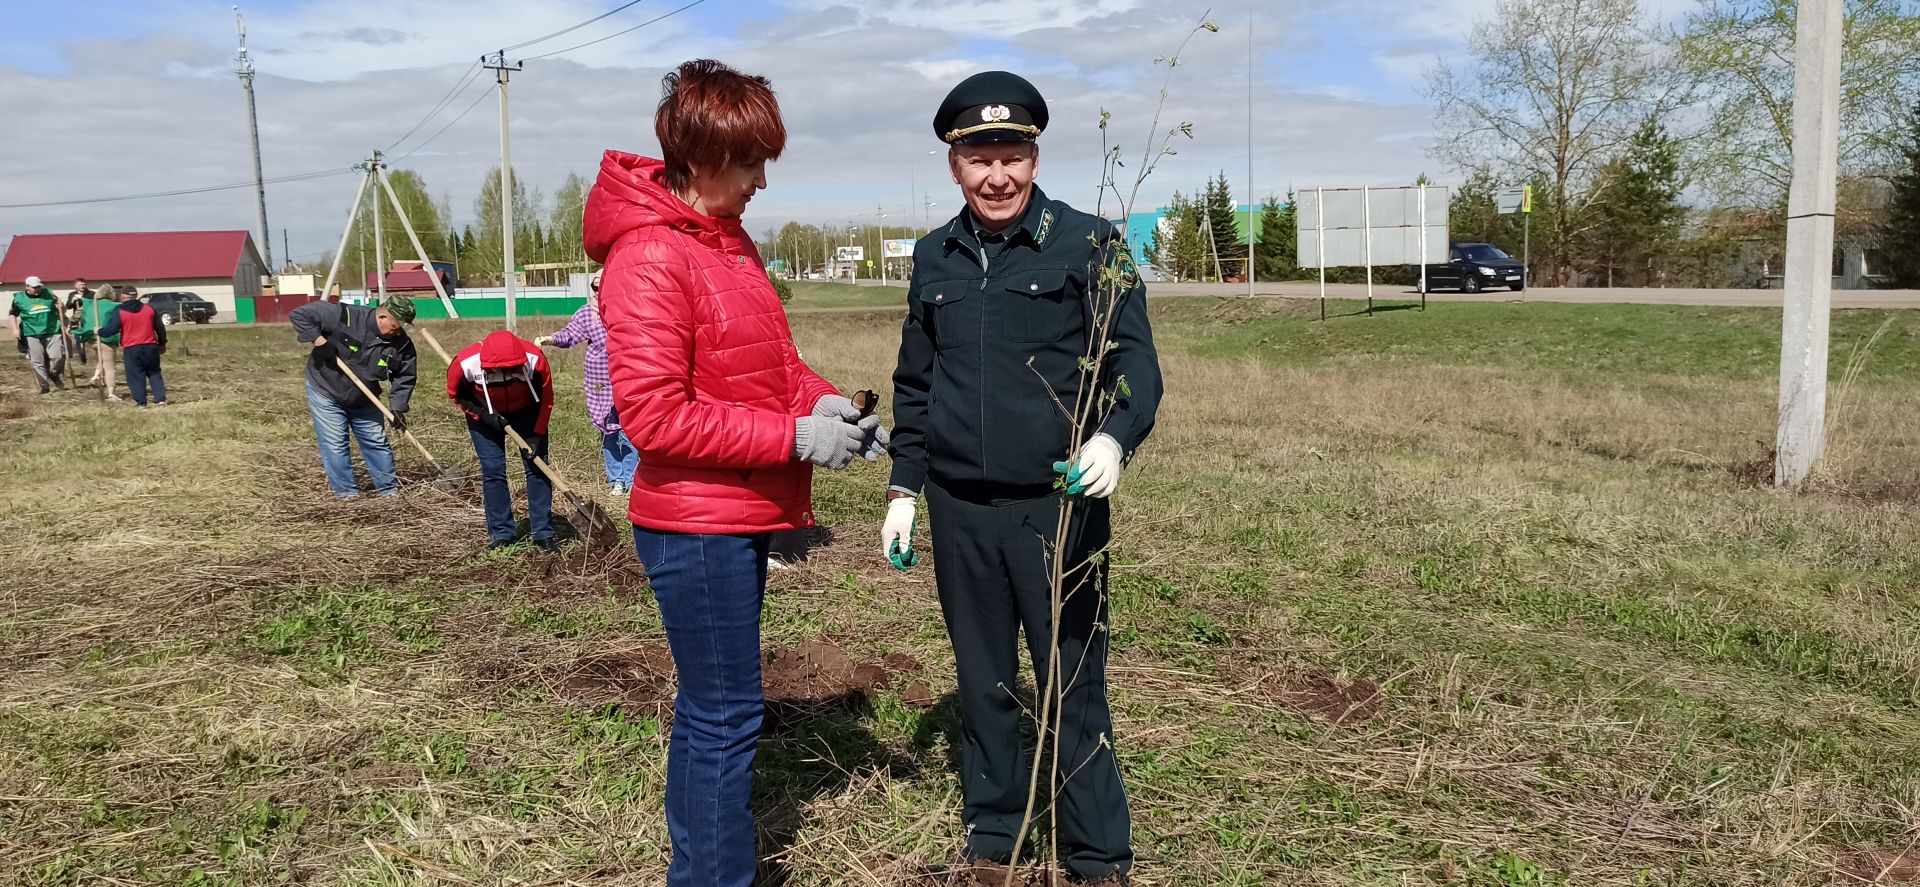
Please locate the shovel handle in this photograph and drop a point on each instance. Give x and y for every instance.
(548, 470)
(388, 414)
(444, 356)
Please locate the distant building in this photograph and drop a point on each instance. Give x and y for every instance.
(1143, 228)
(223, 267)
(413, 279)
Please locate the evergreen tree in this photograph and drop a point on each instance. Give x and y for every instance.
(1899, 230)
(1275, 255)
(1224, 225)
(1178, 248)
(1635, 210)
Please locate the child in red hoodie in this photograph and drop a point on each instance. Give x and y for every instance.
(501, 382)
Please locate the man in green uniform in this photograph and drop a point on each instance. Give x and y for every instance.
(36, 323)
(999, 316)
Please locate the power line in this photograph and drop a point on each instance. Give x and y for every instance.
(302, 177)
(476, 103)
(616, 33)
(458, 85)
(621, 8)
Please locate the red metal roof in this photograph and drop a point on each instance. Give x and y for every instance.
(130, 256)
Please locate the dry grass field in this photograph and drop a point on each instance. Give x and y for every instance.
(1488, 595)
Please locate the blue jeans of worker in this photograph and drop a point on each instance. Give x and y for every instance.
(334, 427)
(491, 446)
(710, 590)
(621, 458)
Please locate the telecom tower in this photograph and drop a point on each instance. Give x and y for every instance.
(243, 66)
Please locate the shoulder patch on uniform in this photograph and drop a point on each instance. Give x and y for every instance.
(1046, 227)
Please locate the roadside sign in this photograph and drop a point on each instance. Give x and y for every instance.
(869, 263)
(1526, 201)
(897, 249)
(849, 253)
(1511, 201)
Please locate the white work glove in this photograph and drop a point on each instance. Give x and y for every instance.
(542, 341)
(1095, 471)
(896, 534)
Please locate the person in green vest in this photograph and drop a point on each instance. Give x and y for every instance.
(36, 321)
(87, 317)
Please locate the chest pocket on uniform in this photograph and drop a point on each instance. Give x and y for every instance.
(1039, 307)
(951, 315)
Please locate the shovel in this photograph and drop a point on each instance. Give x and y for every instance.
(448, 480)
(589, 519)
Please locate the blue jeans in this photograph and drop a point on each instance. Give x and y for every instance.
(621, 458)
(491, 446)
(332, 425)
(710, 590)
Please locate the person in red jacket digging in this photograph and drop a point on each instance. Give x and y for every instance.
(502, 382)
(729, 423)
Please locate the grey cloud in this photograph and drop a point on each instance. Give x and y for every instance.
(365, 36)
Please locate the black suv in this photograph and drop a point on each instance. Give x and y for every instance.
(176, 307)
(1477, 266)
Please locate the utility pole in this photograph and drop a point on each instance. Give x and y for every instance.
(286, 247)
(881, 212)
(379, 240)
(243, 66)
(1251, 237)
(498, 63)
(1801, 433)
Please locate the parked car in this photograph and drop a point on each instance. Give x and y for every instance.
(1473, 267)
(176, 307)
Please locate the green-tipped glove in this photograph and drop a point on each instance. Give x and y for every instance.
(1095, 471)
(896, 534)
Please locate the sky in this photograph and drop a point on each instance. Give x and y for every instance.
(116, 97)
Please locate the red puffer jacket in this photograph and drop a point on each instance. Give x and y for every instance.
(706, 378)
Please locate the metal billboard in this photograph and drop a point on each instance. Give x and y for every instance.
(849, 253)
(1371, 226)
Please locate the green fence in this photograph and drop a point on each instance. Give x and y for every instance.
(536, 306)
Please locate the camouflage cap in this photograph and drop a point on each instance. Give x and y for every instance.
(400, 306)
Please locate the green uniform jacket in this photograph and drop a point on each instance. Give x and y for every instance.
(86, 327)
(39, 315)
(996, 328)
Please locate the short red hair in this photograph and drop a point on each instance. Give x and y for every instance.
(714, 114)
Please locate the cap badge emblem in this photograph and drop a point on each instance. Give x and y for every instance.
(995, 113)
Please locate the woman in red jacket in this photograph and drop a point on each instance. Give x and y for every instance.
(728, 421)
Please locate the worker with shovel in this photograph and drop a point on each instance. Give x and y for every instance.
(36, 323)
(503, 382)
(373, 342)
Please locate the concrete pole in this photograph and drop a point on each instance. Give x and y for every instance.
(414, 238)
(1251, 238)
(379, 239)
(352, 214)
(501, 69)
(1801, 434)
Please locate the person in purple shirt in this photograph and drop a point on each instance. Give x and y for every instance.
(586, 329)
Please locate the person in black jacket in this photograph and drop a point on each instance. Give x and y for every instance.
(991, 351)
(374, 342)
